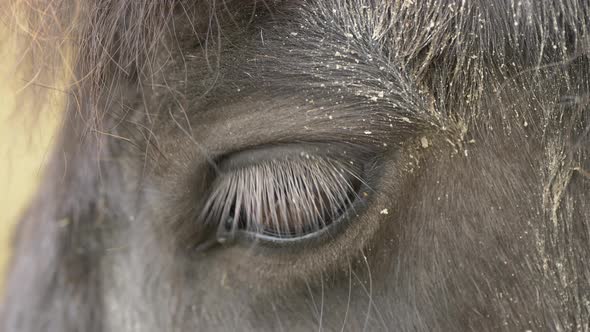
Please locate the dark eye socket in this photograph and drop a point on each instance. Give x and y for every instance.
(282, 194)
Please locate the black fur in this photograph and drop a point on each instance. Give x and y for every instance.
(472, 118)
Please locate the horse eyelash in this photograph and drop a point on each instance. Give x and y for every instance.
(284, 198)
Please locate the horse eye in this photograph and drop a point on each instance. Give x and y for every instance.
(282, 194)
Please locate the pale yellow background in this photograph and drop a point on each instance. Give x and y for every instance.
(25, 137)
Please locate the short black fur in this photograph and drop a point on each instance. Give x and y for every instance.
(474, 114)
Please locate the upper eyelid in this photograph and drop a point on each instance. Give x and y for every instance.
(295, 120)
(290, 151)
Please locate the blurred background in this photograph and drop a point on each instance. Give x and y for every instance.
(26, 136)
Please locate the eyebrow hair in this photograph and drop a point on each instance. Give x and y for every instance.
(537, 33)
